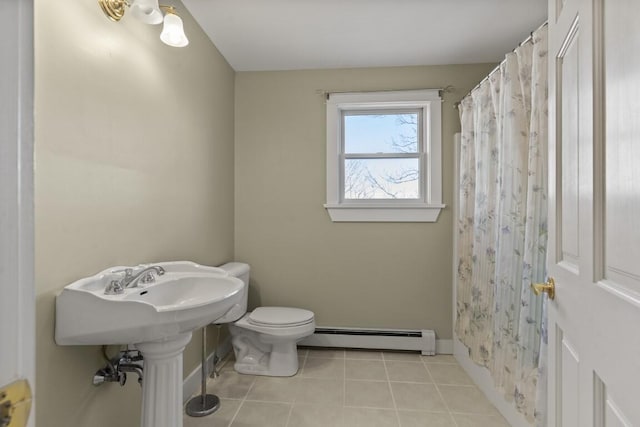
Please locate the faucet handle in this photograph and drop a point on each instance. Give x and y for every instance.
(114, 288)
(128, 272)
(147, 278)
(128, 276)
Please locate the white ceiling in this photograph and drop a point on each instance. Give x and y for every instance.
(256, 35)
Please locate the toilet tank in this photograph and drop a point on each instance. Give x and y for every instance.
(237, 269)
(241, 271)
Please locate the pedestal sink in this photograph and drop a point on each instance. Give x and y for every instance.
(157, 318)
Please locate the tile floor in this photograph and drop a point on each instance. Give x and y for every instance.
(353, 388)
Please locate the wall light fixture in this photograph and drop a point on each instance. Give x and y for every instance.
(149, 12)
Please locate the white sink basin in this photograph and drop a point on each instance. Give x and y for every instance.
(188, 296)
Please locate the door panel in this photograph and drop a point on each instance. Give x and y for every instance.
(622, 63)
(569, 384)
(607, 413)
(560, 6)
(613, 417)
(568, 138)
(594, 181)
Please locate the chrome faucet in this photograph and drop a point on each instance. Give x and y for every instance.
(130, 280)
(144, 276)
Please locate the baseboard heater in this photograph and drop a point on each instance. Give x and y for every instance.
(380, 339)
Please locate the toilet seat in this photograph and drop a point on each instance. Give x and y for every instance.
(280, 317)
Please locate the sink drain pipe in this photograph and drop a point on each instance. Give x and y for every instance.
(117, 367)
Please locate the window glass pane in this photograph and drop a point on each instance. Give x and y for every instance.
(381, 179)
(381, 133)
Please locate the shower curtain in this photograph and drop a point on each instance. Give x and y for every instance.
(502, 224)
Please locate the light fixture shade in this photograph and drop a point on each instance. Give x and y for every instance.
(173, 31)
(147, 11)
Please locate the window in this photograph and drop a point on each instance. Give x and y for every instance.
(384, 156)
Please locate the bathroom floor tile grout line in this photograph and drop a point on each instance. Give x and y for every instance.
(344, 388)
(244, 399)
(484, 414)
(433, 380)
(455, 423)
(412, 382)
(393, 399)
(426, 411)
(289, 416)
(379, 408)
(300, 369)
(456, 385)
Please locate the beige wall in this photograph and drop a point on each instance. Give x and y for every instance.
(134, 163)
(381, 275)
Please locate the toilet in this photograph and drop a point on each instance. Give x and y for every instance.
(265, 340)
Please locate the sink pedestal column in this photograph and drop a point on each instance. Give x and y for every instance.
(162, 383)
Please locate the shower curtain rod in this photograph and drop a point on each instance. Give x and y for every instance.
(497, 67)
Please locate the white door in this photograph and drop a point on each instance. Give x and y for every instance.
(594, 217)
(17, 303)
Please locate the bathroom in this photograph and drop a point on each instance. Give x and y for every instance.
(209, 164)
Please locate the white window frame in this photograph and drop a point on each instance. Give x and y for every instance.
(425, 209)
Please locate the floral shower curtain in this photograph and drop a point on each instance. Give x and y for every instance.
(502, 223)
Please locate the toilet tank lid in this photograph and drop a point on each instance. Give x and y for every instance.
(280, 316)
(236, 269)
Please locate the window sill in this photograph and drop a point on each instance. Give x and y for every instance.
(380, 212)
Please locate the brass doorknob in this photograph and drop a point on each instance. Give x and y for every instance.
(549, 288)
(15, 403)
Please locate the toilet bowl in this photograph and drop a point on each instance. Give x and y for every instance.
(265, 340)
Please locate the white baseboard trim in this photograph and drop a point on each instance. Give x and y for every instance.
(482, 378)
(444, 346)
(192, 384)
